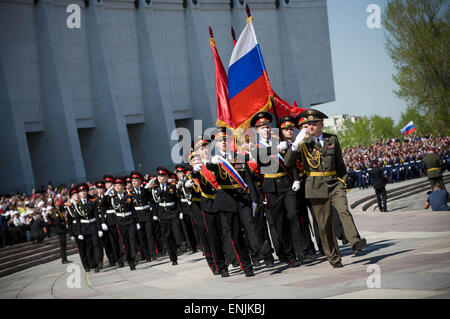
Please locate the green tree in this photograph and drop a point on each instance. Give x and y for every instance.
(421, 122)
(417, 39)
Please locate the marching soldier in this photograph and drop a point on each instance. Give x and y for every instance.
(237, 199)
(74, 225)
(122, 203)
(433, 166)
(100, 208)
(144, 215)
(167, 212)
(186, 216)
(321, 157)
(90, 228)
(379, 183)
(212, 220)
(277, 184)
(112, 242)
(192, 190)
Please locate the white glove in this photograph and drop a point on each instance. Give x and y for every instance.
(138, 226)
(151, 183)
(216, 159)
(181, 215)
(80, 237)
(296, 186)
(282, 146)
(189, 184)
(72, 238)
(254, 207)
(104, 227)
(179, 184)
(155, 218)
(197, 168)
(110, 191)
(300, 137)
(100, 233)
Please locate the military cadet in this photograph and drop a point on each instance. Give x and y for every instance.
(160, 249)
(177, 223)
(111, 238)
(100, 208)
(261, 216)
(186, 217)
(144, 215)
(122, 203)
(193, 192)
(90, 227)
(322, 160)
(278, 185)
(74, 226)
(208, 188)
(433, 166)
(237, 199)
(167, 212)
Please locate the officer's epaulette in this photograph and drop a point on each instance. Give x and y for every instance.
(328, 134)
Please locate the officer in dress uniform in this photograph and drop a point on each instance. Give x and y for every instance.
(167, 212)
(192, 190)
(186, 216)
(144, 215)
(122, 203)
(321, 157)
(90, 227)
(277, 185)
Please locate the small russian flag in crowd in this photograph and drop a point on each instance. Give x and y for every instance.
(408, 129)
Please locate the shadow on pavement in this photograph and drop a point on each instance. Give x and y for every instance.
(376, 259)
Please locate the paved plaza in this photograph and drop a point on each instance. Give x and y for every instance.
(408, 249)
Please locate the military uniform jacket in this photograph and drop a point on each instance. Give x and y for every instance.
(207, 191)
(73, 226)
(432, 165)
(100, 209)
(377, 174)
(142, 205)
(123, 208)
(324, 168)
(167, 201)
(184, 198)
(230, 192)
(60, 222)
(109, 214)
(87, 218)
(193, 194)
(277, 177)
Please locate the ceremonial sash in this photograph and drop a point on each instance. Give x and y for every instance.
(278, 157)
(209, 177)
(227, 167)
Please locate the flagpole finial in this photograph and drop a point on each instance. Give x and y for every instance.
(211, 32)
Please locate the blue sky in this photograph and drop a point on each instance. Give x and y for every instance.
(362, 68)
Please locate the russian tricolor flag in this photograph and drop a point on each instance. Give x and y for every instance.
(408, 129)
(249, 88)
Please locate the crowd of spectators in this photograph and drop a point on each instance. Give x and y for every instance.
(400, 160)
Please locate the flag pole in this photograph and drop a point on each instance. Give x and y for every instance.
(233, 35)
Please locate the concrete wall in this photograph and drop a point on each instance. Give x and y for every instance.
(105, 98)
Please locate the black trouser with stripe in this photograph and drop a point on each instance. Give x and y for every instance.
(147, 239)
(203, 235)
(112, 244)
(63, 246)
(89, 247)
(168, 224)
(283, 210)
(128, 232)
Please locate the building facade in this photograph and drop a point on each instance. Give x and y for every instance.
(105, 98)
(336, 122)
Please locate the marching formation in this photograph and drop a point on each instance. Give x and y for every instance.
(239, 207)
